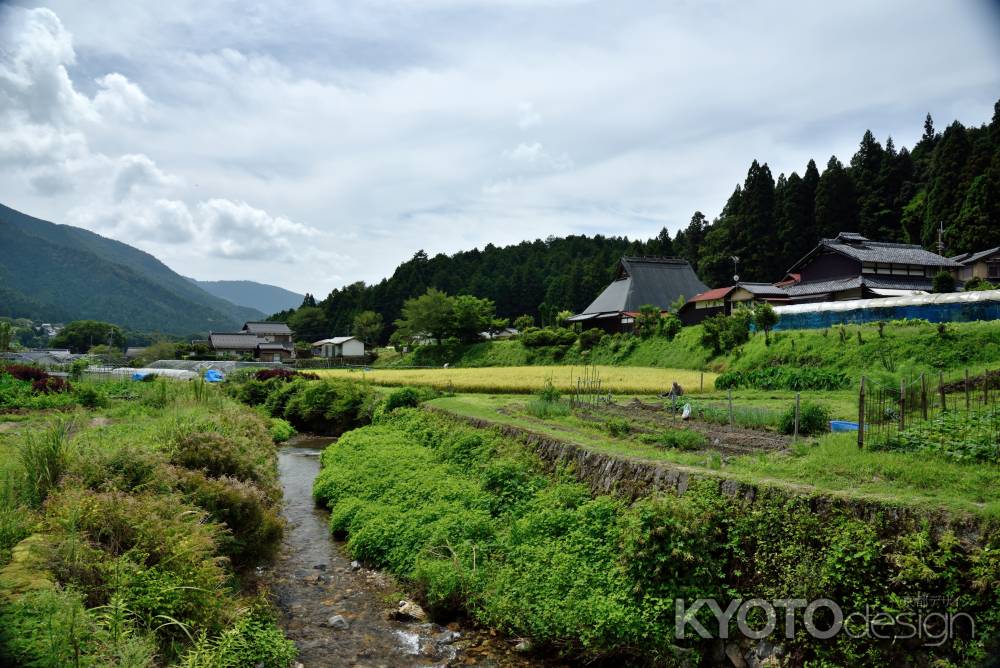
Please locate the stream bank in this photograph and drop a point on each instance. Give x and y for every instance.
(336, 611)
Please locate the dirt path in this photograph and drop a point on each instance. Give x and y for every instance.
(335, 611)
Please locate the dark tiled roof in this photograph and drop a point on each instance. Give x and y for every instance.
(267, 328)
(274, 346)
(875, 282)
(855, 246)
(763, 289)
(972, 258)
(234, 341)
(656, 281)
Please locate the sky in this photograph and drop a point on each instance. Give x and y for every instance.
(312, 144)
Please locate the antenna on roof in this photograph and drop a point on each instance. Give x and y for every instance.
(940, 241)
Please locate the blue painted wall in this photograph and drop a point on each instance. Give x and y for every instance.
(957, 312)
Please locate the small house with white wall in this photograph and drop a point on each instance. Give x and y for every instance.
(339, 346)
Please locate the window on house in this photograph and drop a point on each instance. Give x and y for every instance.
(993, 269)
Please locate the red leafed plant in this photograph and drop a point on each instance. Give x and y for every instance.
(50, 385)
(25, 372)
(284, 374)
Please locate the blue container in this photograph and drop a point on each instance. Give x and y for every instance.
(213, 376)
(843, 425)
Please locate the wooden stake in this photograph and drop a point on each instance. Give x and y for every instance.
(944, 405)
(902, 404)
(795, 435)
(923, 395)
(702, 381)
(968, 398)
(730, 408)
(861, 415)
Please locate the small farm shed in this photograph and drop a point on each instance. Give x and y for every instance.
(339, 346)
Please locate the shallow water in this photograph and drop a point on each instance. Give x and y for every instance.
(313, 580)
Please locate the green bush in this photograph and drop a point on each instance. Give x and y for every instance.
(281, 430)
(328, 406)
(404, 397)
(253, 640)
(535, 337)
(617, 426)
(814, 418)
(590, 338)
(218, 455)
(255, 529)
(89, 396)
(543, 409)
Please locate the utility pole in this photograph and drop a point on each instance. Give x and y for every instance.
(940, 241)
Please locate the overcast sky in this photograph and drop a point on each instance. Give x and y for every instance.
(311, 144)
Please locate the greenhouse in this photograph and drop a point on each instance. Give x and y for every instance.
(947, 307)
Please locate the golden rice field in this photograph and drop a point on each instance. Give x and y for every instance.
(528, 379)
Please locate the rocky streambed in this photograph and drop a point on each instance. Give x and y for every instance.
(341, 614)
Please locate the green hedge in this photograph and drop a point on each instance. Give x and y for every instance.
(783, 378)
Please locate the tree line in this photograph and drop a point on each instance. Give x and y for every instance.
(949, 178)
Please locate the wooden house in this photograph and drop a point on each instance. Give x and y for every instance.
(639, 281)
(853, 267)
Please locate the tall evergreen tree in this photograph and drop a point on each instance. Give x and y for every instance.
(836, 201)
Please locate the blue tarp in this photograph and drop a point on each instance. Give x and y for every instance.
(213, 376)
(954, 307)
(139, 375)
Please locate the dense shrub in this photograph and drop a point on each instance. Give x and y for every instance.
(590, 338)
(328, 407)
(281, 430)
(50, 385)
(404, 397)
(783, 378)
(617, 426)
(253, 640)
(535, 337)
(25, 372)
(814, 418)
(218, 455)
(283, 374)
(721, 333)
(255, 529)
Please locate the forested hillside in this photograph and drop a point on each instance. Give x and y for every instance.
(890, 194)
(58, 273)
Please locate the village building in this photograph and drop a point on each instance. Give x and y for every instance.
(853, 267)
(639, 281)
(265, 341)
(725, 300)
(339, 346)
(984, 264)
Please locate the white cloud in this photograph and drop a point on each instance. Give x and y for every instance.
(377, 128)
(120, 99)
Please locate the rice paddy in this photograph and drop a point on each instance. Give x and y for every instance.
(530, 379)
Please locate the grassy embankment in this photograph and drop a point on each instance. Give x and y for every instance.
(472, 519)
(905, 347)
(825, 464)
(129, 512)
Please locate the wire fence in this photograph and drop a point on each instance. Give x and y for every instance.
(924, 409)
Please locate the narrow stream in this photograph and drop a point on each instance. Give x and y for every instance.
(335, 611)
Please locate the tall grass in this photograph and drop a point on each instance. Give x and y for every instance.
(43, 457)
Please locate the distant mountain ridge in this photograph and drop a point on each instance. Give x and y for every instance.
(261, 296)
(59, 272)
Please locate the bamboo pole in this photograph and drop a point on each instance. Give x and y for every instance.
(861, 415)
(968, 398)
(902, 404)
(795, 435)
(944, 405)
(923, 395)
(730, 408)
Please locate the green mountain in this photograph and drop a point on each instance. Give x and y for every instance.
(60, 273)
(260, 296)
